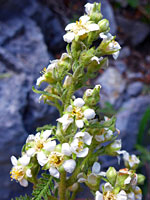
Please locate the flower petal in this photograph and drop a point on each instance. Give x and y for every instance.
(69, 165)
(23, 183)
(70, 26)
(24, 160)
(79, 102)
(30, 138)
(131, 196)
(99, 138)
(89, 113)
(87, 138)
(108, 187)
(42, 159)
(66, 150)
(83, 153)
(30, 152)
(46, 134)
(79, 123)
(99, 196)
(96, 168)
(89, 8)
(13, 160)
(84, 19)
(92, 179)
(28, 173)
(93, 27)
(127, 180)
(122, 195)
(68, 37)
(50, 146)
(54, 172)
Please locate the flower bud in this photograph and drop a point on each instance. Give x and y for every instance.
(111, 175)
(50, 90)
(74, 187)
(112, 148)
(96, 16)
(91, 97)
(140, 179)
(131, 161)
(103, 25)
(67, 82)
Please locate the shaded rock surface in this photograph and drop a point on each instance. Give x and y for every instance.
(128, 120)
(23, 54)
(135, 31)
(113, 85)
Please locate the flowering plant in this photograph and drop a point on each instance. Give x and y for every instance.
(70, 151)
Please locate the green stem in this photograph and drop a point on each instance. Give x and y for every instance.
(74, 194)
(69, 95)
(62, 186)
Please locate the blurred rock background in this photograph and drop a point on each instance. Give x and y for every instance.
(31, 34)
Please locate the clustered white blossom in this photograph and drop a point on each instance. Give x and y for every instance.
(80, 136)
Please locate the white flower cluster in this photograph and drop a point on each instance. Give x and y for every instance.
(81, 28)
(109, 191)
(78, 112)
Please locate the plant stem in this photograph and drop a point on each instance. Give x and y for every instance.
(62, 186)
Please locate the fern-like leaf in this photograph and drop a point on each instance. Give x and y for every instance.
(43, 188)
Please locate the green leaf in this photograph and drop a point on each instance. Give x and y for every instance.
(45, 93)
(143, 125)
(45, 127)
(133, 3)
(44, 188)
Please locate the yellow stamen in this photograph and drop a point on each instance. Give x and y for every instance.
(16, 173)
(109, 196)
(56, 159)
(77, 112)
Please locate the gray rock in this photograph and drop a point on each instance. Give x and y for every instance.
(23, 54)
(134, 75)
(113, 85)
(135, 31)
(108, 13)
(124, 52)
(121, 66)
(128, 120)
(134, 89)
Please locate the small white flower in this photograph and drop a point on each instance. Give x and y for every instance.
(20, 170)
(104, 136)
(112, 46)
(98, 60)
(79, 28)
(106, 36)
(54, 64)
(89, 7)
(76, 111)
(78, 144)
(116, 144)
(96, 171)
(122, 195)
(99, 196)
(131, 160)
(108, 194)
(53, 160)
(38, 142)
(131, 196)
(138, 193)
